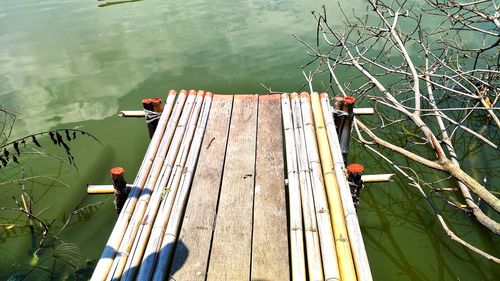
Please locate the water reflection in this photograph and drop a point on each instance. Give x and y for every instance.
(60, 67)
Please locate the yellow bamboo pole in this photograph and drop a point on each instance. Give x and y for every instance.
(343, 247)
(297, 254)
(104, 264)
(357, 245)
(323, 216)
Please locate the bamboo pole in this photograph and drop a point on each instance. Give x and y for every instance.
(315, 266)
(363, 111)
(339, 224)
(102, 188)
(143, 234)
(131, 113)
(172, 230)
(377, 178)
(169, 147)
(353, 229)
(295, 208)
(158, 226)
(106, 260)
(332, 259)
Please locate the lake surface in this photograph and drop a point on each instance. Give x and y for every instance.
(72, 64)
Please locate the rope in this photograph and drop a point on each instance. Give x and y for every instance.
(151, 116)
(337, 112)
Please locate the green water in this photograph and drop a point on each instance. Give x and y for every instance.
(72, 64)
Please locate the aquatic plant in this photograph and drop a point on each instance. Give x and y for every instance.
(48, 252)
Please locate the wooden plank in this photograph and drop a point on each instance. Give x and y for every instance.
(270, 239)
(231, 248)
(193, 247)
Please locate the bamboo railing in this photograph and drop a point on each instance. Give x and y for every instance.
(104, 264)
(357, 245)
(318, 186)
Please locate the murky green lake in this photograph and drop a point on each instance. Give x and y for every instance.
(72, 64)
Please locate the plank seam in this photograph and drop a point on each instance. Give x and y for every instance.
(254, 182)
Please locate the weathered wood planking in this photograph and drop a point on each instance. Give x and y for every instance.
(231, 247)
(193, 247)
(270, 235)
(235, 223)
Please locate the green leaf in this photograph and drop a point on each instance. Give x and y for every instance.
(34, 260)
(10, 226)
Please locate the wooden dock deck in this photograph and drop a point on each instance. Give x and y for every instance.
(222, 195)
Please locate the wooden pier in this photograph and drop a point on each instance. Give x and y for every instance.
(239, 187)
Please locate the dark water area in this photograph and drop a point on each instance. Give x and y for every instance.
(73, 64)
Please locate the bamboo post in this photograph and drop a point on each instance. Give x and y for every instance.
(345, 136)
(317, 126)
(177, 210)
(152, 110)
(142, 238)
(354, 173)
(332, 259)
(339, 115)
(170, 145)
(157, 105)
(315, 266)
(148, 106)
(343, 121)
(295, 209)
(357, 245)
(120, 187)
(103, 265)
